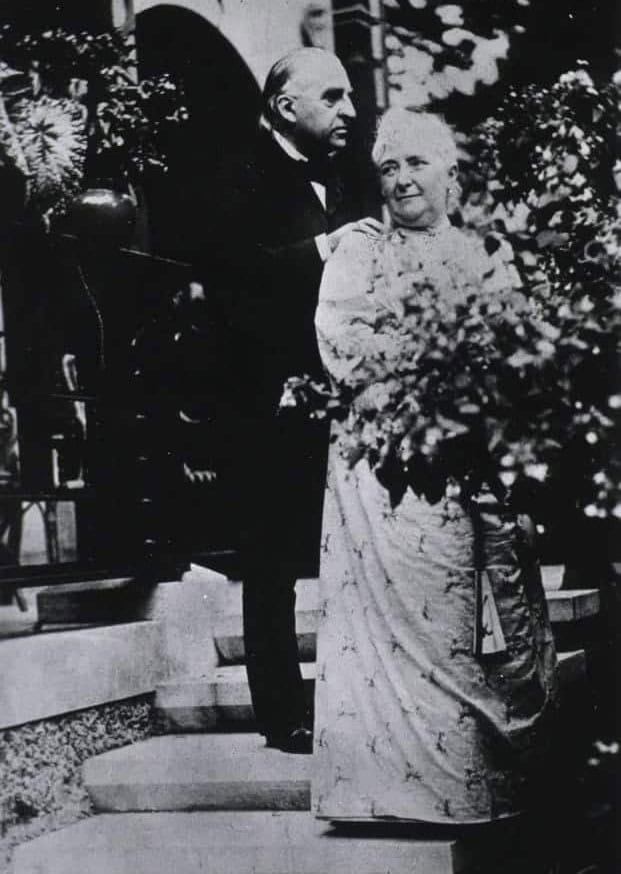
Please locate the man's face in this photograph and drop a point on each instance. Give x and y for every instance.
(414, 177)
(321, 101)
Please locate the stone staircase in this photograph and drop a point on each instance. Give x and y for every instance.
(255, 842)
(209, 797)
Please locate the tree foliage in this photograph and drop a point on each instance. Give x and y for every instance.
(441, 53)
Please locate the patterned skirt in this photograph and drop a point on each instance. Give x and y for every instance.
(415, 718)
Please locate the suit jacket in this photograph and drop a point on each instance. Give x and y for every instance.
(267, 272)
(270, 268)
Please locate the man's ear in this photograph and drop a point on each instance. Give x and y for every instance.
(286, 108)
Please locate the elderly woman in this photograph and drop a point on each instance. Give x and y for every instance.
(412, 721)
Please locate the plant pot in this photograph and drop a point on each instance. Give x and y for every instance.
(102, 216)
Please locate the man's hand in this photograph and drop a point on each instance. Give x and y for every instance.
(370, 226)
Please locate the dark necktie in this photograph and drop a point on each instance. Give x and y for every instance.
(324, 172)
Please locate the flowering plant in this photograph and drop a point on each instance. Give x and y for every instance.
(544, 179)
(543, 176)
(508, 373)
(459, 376)
(85, 111)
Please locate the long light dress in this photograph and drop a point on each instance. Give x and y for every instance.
(409, 722)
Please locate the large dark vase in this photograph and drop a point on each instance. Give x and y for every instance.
(102, 216)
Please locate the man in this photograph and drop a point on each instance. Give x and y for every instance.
(284, 209)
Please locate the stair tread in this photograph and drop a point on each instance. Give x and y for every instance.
(177, 758)
(199, 772)
(233, 675)
(229, 625)
(307, 597)
(565, 606)
(105, 585)
(206, 704)
(45, 674)
(221, 843)
(223, 674)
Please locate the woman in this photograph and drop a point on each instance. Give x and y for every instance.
(413, 721)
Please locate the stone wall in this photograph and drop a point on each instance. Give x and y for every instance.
(41, 786)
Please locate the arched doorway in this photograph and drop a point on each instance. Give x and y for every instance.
(223, 100)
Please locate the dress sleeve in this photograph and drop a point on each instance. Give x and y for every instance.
(345, 314)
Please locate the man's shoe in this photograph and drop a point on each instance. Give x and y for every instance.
(300, 740)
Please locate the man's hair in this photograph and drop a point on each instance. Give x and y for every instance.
(398, 125)
(281, 74)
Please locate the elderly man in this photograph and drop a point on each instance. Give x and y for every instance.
(284, 207)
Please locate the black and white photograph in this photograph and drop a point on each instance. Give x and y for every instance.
(310, 398)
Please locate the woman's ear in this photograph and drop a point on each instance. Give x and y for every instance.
(286, 108)
(453, 191)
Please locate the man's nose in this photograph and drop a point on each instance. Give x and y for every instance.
(347, 108)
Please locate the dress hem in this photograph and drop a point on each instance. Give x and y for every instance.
(396, 820)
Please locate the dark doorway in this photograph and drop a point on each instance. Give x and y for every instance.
(223, 100)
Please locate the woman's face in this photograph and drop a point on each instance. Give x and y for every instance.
(414, 177)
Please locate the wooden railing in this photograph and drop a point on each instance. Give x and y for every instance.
(103, 359)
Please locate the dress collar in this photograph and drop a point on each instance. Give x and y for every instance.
(434, 231)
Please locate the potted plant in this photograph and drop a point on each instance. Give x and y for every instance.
(78, 115)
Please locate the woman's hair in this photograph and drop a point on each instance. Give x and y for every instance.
(398, 125)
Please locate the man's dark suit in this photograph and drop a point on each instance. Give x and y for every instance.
(269, 276)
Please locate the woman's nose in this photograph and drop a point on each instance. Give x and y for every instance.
(404, 177)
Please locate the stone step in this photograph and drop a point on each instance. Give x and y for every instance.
(254, 842)
(229, 635)
(198, 772)
(307, 588)
(100, 601)
(216, 703)
(44, 675)
(566, 606)
(197, 704)
(120, 599)
(572, 605)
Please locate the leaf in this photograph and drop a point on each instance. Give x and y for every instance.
(52, 135)
(520, 359)
(392, 476)
(469, 409)
(551, 238)
(452, 426)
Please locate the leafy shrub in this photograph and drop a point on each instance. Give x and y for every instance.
(506, 379)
